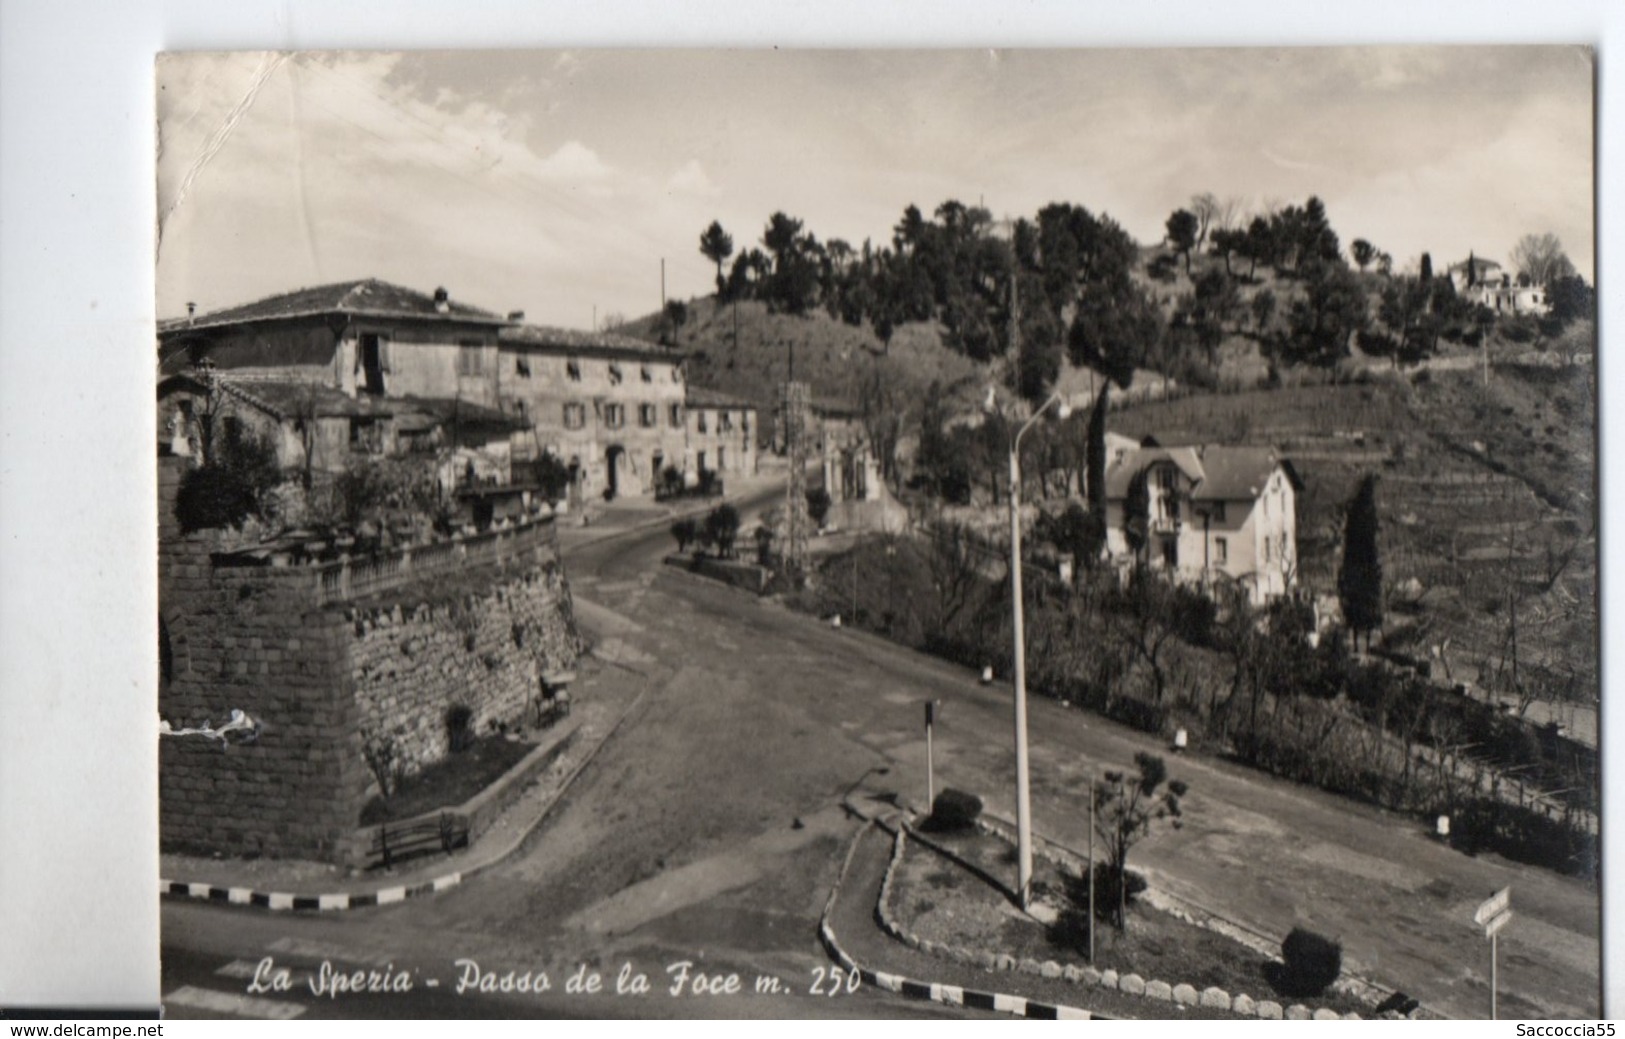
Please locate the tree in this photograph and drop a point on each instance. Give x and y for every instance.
(818, 505)
(1541, 259)
(1363, 252)
(1095, 462)
(1126, 806)
(1263, 308)
(717, 245)
(1137, 515)
(1571, 299)
(1359, 580)
(1183, 228)
(672, 320)
(1206, 207)
(686, 531)
(722, 529)
(1323, 323)
(1078, 533)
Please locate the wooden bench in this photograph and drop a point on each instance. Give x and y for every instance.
(397, 841)
(554, 703)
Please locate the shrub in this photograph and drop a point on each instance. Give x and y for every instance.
(1309, 963)
(954, 810)
(818, 503)
(459, 727)
(210, 497)
(722, 529)
(1106, 894)
(686, 531)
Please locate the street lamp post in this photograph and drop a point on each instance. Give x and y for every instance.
(1024, 836)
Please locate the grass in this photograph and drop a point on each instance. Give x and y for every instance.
(941, 900)
(449, 782)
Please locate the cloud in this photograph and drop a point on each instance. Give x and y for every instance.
(574, 163)
(691, 178)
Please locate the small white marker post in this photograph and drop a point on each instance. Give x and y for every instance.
(1494, 913)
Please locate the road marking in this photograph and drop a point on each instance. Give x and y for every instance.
(234, 1003)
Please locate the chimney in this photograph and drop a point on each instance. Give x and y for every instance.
(516, 315)
(442, 300)
(191, 308)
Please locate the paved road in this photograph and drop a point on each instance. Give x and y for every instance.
(707, 831)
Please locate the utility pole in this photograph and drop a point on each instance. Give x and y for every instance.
(1091, 866)
(662, 284)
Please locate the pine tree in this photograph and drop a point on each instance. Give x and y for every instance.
(1359, 582)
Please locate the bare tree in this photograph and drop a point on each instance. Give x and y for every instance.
(1541, 259)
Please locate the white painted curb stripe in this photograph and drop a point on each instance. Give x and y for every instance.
(1009, 1004)
(391, 895)
(1066, 1013)
(449, 880)
(326, 902)
(241, 896)
(281, 901)
(234, 1003)
(950, 994)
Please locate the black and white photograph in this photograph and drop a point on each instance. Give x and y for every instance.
(1099, 533)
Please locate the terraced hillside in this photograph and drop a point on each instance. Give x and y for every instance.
(1487, 505)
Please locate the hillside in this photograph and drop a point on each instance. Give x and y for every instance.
(1485, 497)
(745, 350)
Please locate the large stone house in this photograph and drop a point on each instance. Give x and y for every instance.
(610, 406)
(325, 373)
(1215, 513)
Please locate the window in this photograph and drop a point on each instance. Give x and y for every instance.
(725, 422)
(699, 461)
(470, 357)
(575, 416)
(647, 416)
(614, 415)
(521, 367)
(573, 370)
(1221, 551)
(676, 374)
(722, 458)
(699, 421)
(614, 375)
(676, 416)
(1268, 553)
(647, 375)
(1218, 512)
(1165, 478)
(744, 423)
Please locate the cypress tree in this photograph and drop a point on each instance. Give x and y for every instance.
(1359, 581)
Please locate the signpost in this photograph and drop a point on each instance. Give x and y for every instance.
(1493, 913)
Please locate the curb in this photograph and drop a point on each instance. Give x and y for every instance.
(937, 992)
(343, 900)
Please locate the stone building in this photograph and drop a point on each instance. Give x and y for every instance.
(722, 432)
(1214, 512)
(353, 366)
(609, 406)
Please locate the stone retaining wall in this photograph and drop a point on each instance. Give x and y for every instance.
(325, 681)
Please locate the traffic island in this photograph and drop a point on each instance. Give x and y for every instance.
(940, 896)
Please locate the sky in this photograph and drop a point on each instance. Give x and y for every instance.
(556, 182)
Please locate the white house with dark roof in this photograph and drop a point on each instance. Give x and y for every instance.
(1215, 513)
